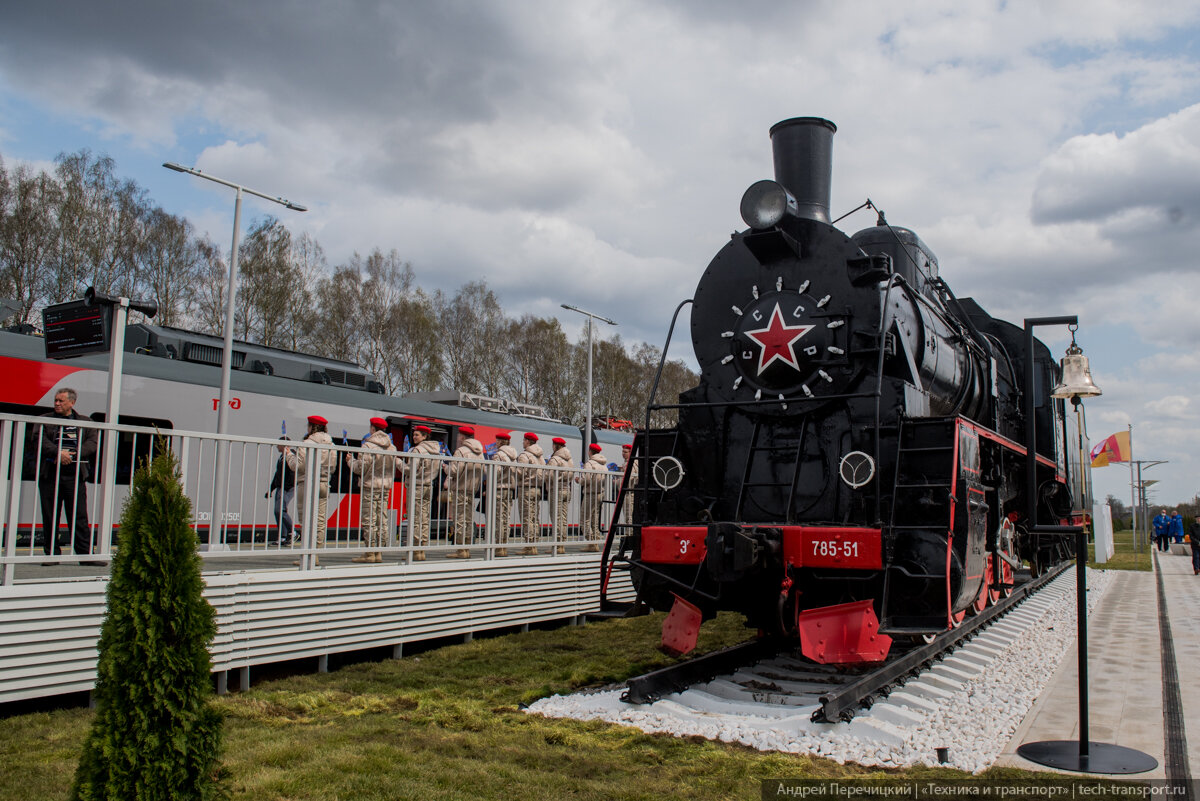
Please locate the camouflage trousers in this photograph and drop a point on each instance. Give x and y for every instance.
(531, 507)
(591, 504)
(462, 512)
(322, 514)
(422, 497)
(373, 517)
(504, 498)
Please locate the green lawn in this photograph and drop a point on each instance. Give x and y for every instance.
(1123, 557)
(447, 724)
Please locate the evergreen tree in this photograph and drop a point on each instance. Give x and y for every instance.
(155, 735)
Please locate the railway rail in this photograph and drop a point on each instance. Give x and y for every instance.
(774, 674)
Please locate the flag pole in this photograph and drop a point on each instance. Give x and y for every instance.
(1137, 548)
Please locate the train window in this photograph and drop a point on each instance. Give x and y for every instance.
(132, 449)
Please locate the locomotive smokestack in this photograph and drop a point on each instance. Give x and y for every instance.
(803, 148)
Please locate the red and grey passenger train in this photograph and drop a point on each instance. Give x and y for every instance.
(851, 467)
(171, 381)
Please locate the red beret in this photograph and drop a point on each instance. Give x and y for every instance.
(379, 422)
(466, 431)
(626, 447)
(317, 420)
(422, 429)
(529, 435)
(595, 447)
(559, 441)
(503, 435)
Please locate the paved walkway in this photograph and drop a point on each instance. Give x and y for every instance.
(1125, 670)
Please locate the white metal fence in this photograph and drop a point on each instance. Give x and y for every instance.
(251, 534)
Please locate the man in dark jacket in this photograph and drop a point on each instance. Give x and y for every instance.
(1194, 538)
(66, 454)
(283, 486)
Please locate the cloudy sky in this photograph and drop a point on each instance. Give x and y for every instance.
(594, 152)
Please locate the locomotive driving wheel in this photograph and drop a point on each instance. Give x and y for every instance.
(984, 599)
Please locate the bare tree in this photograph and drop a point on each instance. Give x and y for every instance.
(212, 288)
(98, 221)
(471, 323)
(334, 328)
(170, 266)
(535, 354)
(27, 237)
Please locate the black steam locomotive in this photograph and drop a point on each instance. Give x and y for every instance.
(852, 466)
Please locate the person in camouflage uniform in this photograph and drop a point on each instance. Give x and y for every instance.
(591, 496)
(462, 480)
(505, 454)
(419, 479)
(530, 480)
(323, 458)
(377, 466)
(560, 490)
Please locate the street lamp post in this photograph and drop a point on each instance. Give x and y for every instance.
(1141, 499)
(218, 513)
(587, 436)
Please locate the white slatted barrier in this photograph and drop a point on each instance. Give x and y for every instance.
(51, 607)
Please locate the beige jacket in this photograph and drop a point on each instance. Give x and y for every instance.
(560, 458)
(377, 465)
(532, 455)
(593, 483)
(423, 470)
(297, 458)
(505, 454)
(464, 476)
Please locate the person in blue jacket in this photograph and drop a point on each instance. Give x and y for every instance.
(1176, 526)
(1162, 525)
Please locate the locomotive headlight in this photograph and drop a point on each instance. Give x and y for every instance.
(765, 204)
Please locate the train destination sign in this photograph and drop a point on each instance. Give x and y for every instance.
(75, 328)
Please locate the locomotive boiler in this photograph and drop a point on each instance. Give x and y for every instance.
(851, 467)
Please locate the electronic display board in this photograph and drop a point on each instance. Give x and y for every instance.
(75, 328)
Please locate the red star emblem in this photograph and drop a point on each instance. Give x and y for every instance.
(778, 340)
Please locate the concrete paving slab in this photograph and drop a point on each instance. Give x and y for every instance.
(1125, 698)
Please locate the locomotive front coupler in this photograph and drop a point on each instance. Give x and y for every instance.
(735, 551)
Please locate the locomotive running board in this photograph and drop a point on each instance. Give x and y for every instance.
(841, 704)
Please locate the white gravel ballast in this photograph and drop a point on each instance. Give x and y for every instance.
(969, 704)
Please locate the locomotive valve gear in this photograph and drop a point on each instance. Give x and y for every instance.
(529, 480)
(505, 456)
(322, 458)
(560, 490)
(419, 475)
(462, 480)
(591, 496)
(377, 466)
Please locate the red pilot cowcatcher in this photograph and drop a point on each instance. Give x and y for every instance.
(681, 627)
(842, 634)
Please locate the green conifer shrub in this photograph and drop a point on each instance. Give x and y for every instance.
(156, 736)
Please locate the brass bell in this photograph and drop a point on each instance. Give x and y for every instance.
(1076, 375)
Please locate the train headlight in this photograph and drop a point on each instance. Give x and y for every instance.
(765, 203)
(856, 469)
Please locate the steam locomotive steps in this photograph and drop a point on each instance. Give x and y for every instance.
(761, 679)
